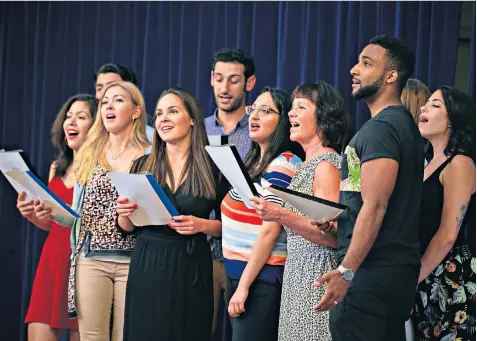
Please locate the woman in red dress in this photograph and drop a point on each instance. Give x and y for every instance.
(47, 314)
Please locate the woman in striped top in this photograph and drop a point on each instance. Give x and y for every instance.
(255, 251)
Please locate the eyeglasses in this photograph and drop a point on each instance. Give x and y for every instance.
(263, 110)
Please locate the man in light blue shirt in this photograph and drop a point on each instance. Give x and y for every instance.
(232, 76)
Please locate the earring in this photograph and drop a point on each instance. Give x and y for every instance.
(134, 119)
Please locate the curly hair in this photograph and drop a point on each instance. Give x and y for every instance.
(461, 113)
(65, 153)
(332, 119)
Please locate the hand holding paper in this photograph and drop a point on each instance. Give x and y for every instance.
(42, 212)
(316, 208)
(186, 224)
(25, 207)
(24, 180)
(267, 211)
(153, 207)
(124, 207)
(326, 227)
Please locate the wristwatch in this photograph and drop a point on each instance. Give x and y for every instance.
(348, 274)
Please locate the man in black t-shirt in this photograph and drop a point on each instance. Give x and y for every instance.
(371, 293)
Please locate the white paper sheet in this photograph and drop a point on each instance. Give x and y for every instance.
(313, 207)
(138, 188)
(12, 161)
(409, 327)
(218, 140)
(22, 179)
(226, 160)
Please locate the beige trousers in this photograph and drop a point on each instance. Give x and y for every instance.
(100, 285)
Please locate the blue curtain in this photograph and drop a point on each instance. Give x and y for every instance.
(49, 50)
(472, 70)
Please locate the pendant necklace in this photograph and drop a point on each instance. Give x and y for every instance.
(114, 155)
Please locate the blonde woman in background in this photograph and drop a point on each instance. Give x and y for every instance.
(414, 96)
(100, 252)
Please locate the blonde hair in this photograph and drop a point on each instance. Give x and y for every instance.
(92, 153)
(414, 95)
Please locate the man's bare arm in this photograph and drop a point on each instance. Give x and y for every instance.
(378, 178)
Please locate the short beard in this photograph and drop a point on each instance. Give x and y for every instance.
(237, 103)
(370, 90)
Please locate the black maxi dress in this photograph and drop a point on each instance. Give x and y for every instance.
(169, 293)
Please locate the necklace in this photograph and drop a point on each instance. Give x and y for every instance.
(114, 155)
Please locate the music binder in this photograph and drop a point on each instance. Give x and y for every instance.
(314, 207)
(154, 206)
(228, 160)
(22, 179)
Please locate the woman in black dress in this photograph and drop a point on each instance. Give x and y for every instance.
(169, 289)
(445, 299)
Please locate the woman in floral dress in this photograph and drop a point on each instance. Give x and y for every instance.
(445, 298)
(321, 125)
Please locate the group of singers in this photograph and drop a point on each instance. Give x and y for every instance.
(404, 247)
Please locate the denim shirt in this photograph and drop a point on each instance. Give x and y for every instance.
(73, 223)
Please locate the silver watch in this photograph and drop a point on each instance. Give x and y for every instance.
(348, 274)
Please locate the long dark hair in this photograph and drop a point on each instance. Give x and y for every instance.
(279, 140)
(332, 120)
(461, 114)
(199, 179)
(65, 153)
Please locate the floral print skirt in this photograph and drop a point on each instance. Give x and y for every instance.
(444, 307)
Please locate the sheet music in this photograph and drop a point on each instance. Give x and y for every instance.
(22, 179)
(314, 207)
(12, 161)
(152, 209)
(218, 140)
(230, 164)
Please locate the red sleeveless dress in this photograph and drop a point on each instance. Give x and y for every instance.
(49, 297)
